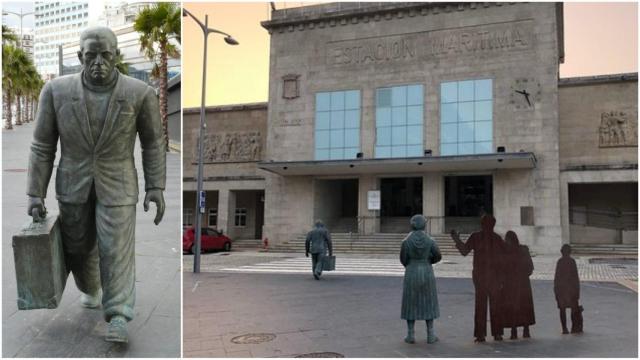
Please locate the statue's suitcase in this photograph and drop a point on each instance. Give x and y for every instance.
(329, 263)
(41, 273)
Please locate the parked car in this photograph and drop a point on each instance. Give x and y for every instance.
(211, 239)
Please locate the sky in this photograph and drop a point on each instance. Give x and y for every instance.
(600, 38)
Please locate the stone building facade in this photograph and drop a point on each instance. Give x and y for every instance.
(384, 110)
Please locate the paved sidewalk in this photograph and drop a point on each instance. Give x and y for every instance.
(288, 315)
(457, 266)
(70, 330)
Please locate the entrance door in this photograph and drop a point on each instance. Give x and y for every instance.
(336, 203)
(401, 198)
(467, 198)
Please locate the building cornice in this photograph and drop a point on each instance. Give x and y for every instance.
(598, 79)
(226, 108)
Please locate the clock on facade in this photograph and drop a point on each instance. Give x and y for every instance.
(524, 93)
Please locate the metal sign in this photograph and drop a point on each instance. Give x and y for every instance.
(202, 201)
(373, 200)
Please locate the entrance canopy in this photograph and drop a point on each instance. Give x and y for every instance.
(483, 162)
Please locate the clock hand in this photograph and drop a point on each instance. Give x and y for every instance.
(526, 96)
(523, 92)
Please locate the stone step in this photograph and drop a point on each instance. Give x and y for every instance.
(604, 249)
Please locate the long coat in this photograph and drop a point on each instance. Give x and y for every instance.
(419, 294)
(566, 283)
(516, 294)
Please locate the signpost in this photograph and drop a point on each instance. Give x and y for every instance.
(373, 200)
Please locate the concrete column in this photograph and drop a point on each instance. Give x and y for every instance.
(369, 220)
(226, 211)
(433, 201)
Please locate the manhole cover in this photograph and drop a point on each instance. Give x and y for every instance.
(253, 338)
(614, 261)
(321, 355)
(15, 170)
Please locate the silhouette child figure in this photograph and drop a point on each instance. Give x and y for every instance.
(566, 286)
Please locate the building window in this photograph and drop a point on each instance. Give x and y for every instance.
(337, 126)
(466, 117)
(187, 217)
(213, 217)
(399, 121)
(241, 217)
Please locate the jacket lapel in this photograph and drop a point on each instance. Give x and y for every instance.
(115, 105)
(80, 110)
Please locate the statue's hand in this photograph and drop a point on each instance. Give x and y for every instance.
(156, 196)
(36, 209)
(455, 235)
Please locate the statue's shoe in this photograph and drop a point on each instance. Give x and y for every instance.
(117, 330)
(410, 339)
(91, 301)
(432, 339)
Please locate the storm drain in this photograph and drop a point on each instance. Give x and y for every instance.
(253, 338)
(321, 355)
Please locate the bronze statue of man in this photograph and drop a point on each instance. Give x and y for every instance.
(97, 114)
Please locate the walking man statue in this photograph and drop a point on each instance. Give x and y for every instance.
(488, 249)
(96, 115)
(318, 242)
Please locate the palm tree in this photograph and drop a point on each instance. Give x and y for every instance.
(8, 36)
(123, 67)
(157, 25)
(20, 82)
(9, 56)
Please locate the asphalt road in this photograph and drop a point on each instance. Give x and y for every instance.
(288, 315)
(70, 330)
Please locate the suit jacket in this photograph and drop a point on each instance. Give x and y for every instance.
(108, 162)
(318, 241)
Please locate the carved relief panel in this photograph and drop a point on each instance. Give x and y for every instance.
(231, 147)
(618, 129)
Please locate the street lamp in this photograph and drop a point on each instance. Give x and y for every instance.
(20, 15)
(206, 30)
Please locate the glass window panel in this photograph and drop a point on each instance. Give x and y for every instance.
(484, 147)
(484, 110)
(383, 136)
(352, 119)
(465, 90)
(383, 97)
(415, 150)
(399, 135)
(465, 132)
(352, 138)
(414, 115)
(448, 92)
(465, 111)
(337, 100)
(449, 133)
(337, 138)
(398, 151)
(449, 113)
(352, 99)
(484, 131)
(337, 119)
(383, 151)
(336, 154)
(322, 120)
(465, 148)
(398, 116)
(399, 96)
(323, 101)
(448, 149)
(383, 117)
(351, 153)
(414, 135)
(322, 154)
(483, 90)
(322, 139)
(414, 95)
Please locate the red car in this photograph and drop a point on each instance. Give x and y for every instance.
(210, 240)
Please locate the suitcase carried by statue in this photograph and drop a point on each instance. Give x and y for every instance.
(41, 274)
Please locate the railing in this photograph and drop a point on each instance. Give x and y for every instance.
(607, 219)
